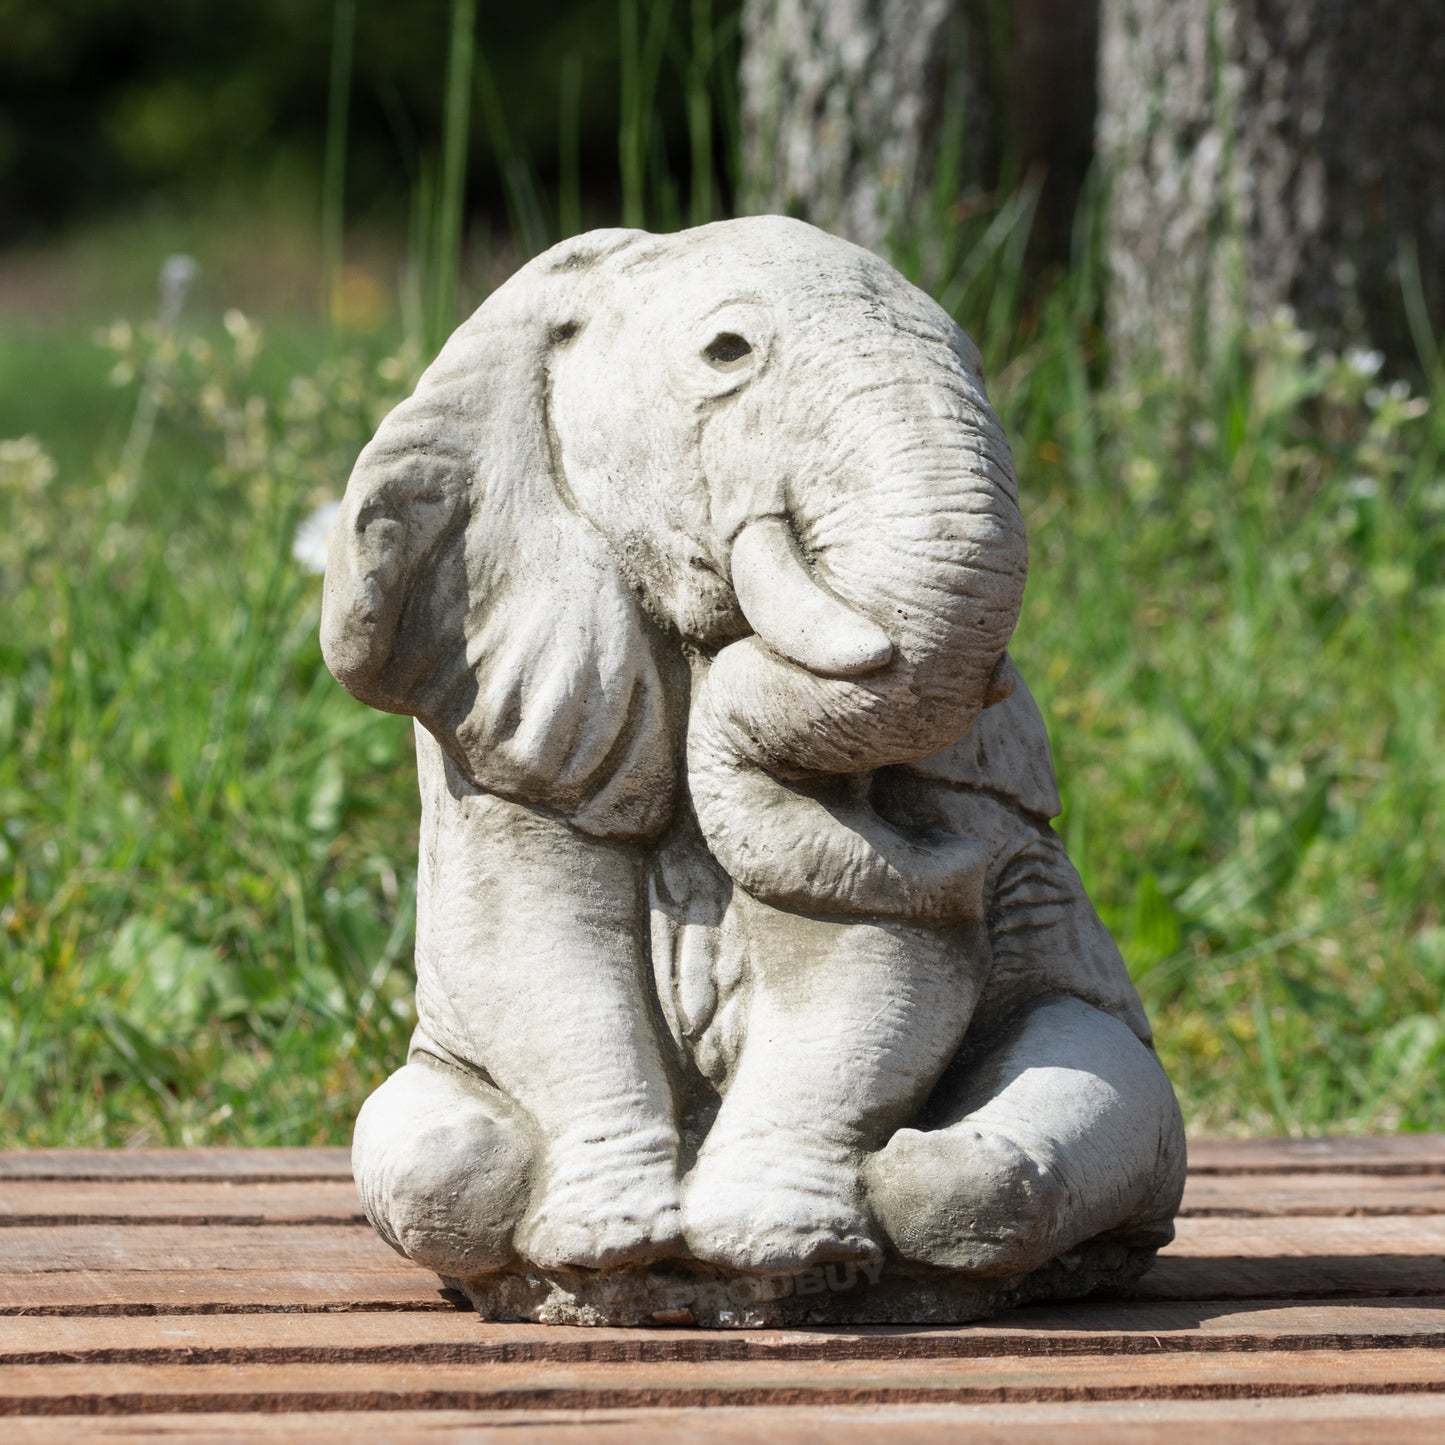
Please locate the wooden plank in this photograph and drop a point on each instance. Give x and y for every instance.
(172, 1247)
(198, 1203)
(1304, 1236)
(1095, 1328)
(44, 1249)
(155, 1291)
(250, 1287)
(1292, 1277)
(1310, 1193)
(149, 1268)
(45, 1202)
(1375, 1154)
(1323, 1420)
(149, 1292)
(224, 1201)
(80, 1389)
(175, 1164)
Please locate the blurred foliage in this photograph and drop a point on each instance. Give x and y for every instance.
(1235, 618)
(1235, 624)
(206, 914)
(106, 103)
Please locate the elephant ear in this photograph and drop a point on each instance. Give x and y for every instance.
(463, 588)
(1006, 751)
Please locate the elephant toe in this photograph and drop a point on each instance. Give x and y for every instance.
(744, 1215)
(966, 1198)
(595, 1222)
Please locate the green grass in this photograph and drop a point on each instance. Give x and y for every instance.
(1235, 623)
(206, 846)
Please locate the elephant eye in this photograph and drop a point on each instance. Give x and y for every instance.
(726, 349)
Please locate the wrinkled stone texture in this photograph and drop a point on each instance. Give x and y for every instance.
(1264, 153)
(746, 956)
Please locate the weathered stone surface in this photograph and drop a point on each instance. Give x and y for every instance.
(745, 951)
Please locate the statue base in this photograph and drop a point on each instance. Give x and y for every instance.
(688, 1294)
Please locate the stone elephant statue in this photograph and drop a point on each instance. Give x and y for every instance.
(744, 947)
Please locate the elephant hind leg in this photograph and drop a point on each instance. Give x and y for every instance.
(1066, 1129)
(441, 1160)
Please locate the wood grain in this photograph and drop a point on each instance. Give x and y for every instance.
(168, 1247)
(144, 1268)
(198, 1293)
(1309, 1193)
(171, 1247)
(1323, 1420)
(194, 1203)
(149, 1292)
(175, 1164)
(1374, 1154)
(81, 1389)
(1094, 1328)
(1377, 1154)
(231, 1200)
(1309, 1420)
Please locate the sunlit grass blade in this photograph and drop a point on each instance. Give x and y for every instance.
(333, 181)
(446, 256)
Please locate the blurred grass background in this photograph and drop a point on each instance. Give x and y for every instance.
(1234, 619)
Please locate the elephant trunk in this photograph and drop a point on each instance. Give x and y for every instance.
(882, 610)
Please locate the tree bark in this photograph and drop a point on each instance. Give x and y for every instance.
(855, 111)
(1268, 153)
(842, 102)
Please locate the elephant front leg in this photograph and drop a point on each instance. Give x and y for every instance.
(533, 943)
(849, 1027)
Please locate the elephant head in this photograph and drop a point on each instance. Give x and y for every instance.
(752, 438)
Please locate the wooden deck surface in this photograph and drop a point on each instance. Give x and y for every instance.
(215, 1295)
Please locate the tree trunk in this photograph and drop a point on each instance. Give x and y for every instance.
(854, 111)
(842, 102)
(1268, 153)
(1050, 109)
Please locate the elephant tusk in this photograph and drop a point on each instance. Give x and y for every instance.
(793, 613)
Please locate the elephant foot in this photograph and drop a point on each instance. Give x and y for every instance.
(1066, 1131)
(596, 1214)
(775, 1208)
(967, 1198)
(441, 1161)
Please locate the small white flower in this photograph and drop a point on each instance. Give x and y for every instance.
(178, 275)
(25, 465)
(1363, 362)
(1361, 485)
(313, 537)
